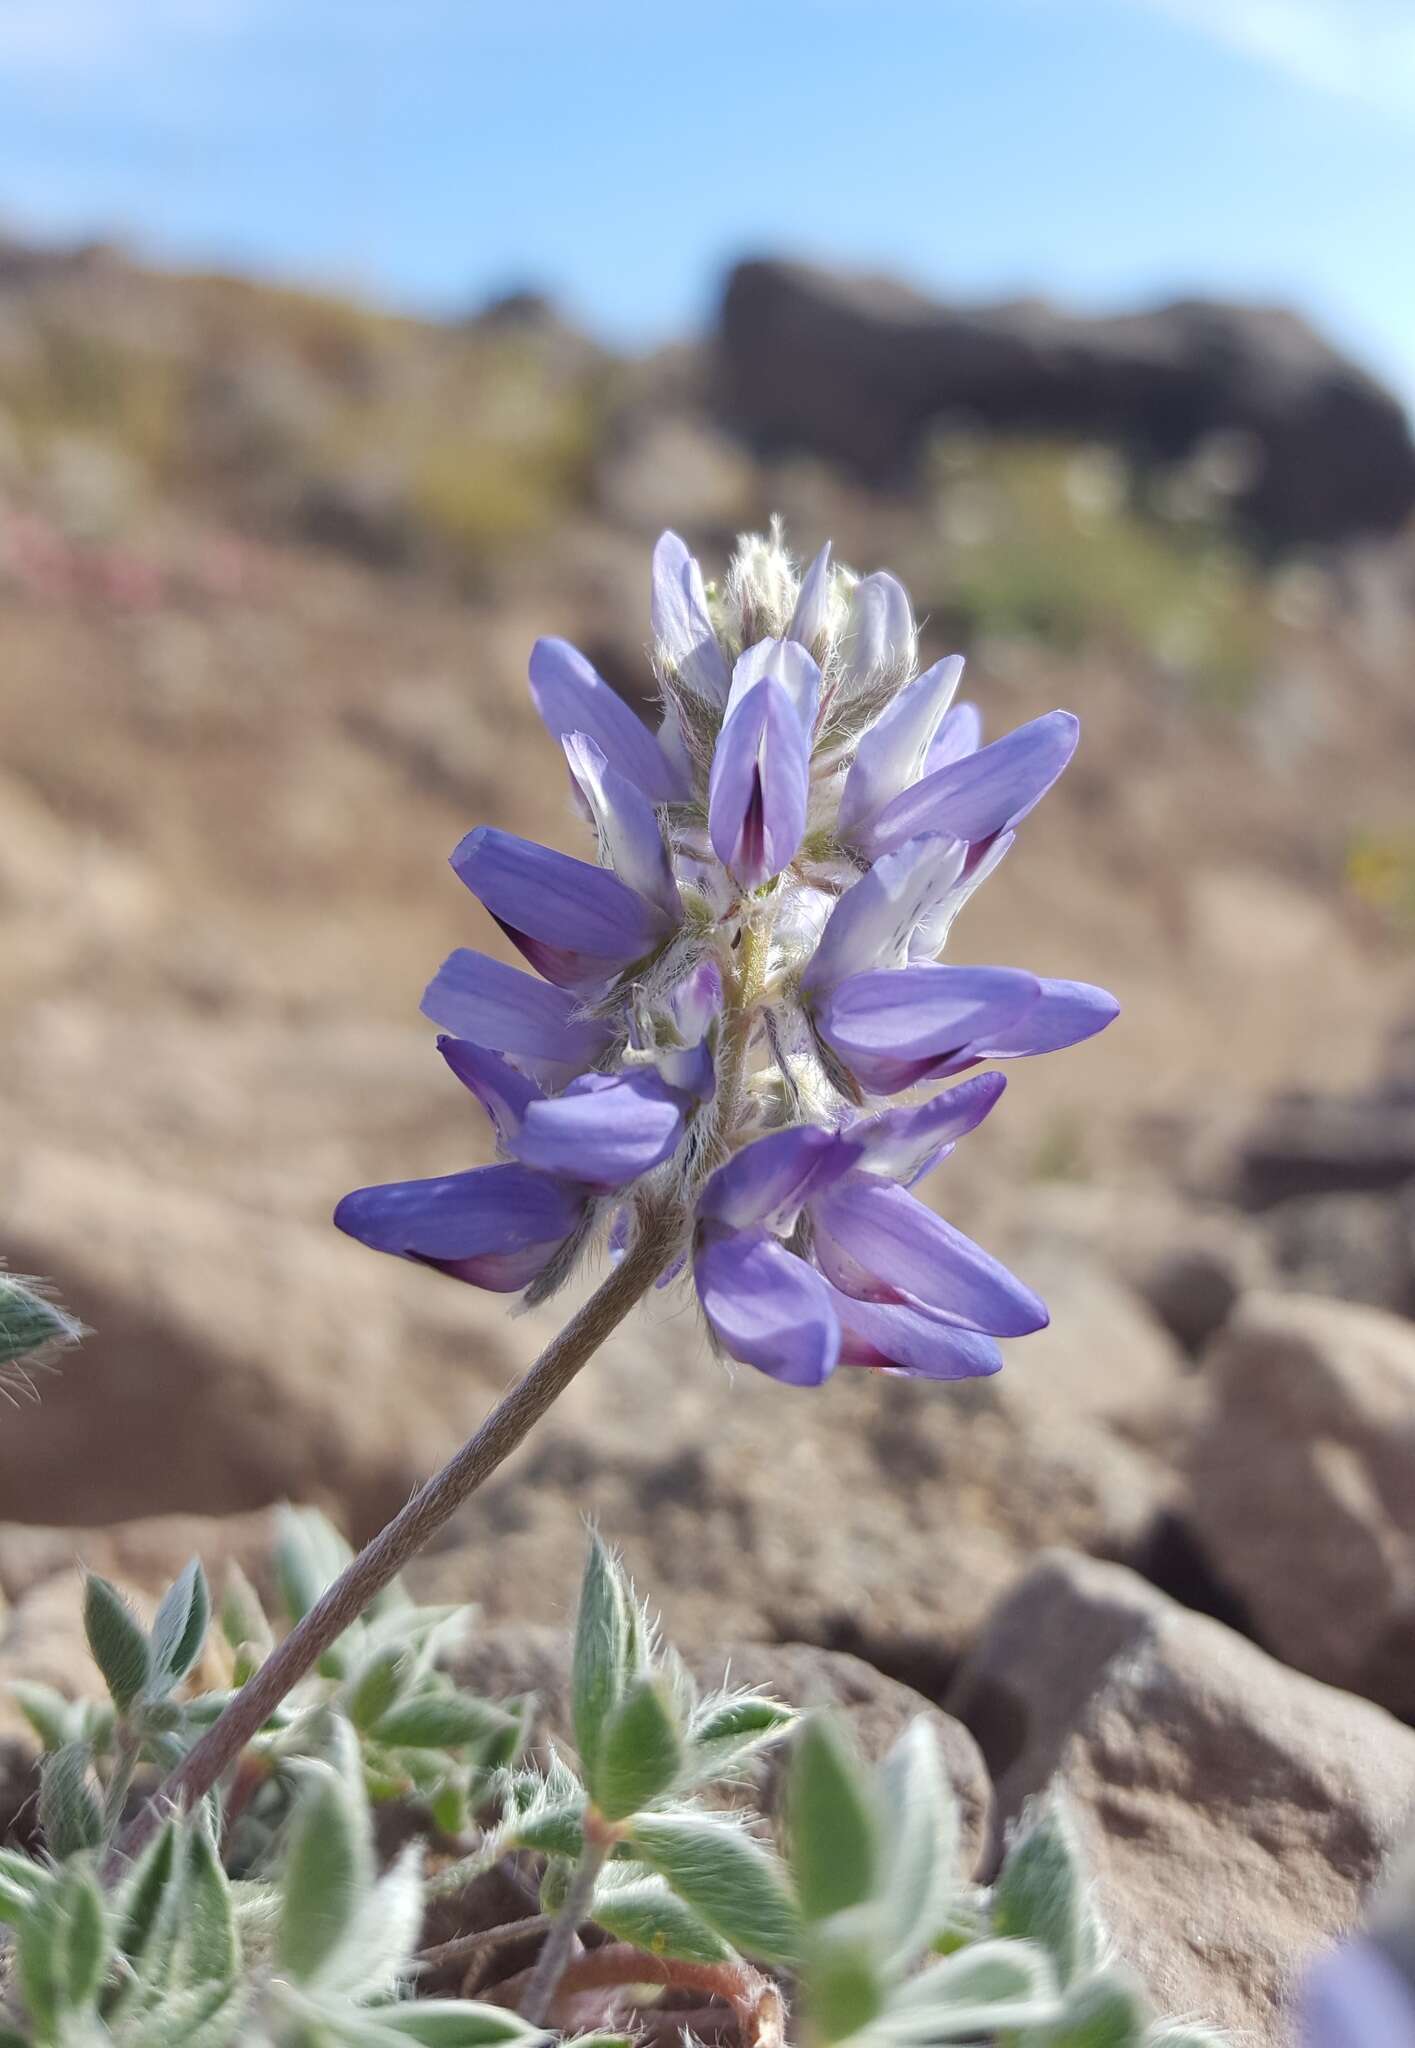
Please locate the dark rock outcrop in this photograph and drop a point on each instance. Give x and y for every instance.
(859, 368)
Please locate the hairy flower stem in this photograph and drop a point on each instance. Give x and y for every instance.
(550, 1964)
(658, 1239)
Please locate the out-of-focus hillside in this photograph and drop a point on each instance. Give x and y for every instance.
(270, 567)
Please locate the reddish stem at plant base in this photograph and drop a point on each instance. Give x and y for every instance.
(658, 1240)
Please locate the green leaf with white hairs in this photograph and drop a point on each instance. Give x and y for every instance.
(1186, 2034)
(244, 1623)
(919, 1834)
(21, 1883)
(206, 2017)
(374, 1950)
(728, 1879)
(209, 1952)
(832, 1835)
(457, 2023)
(32, 1327)
(442, 1719)
(327, 1873)
(603, 1649)
(64, 1950)
(117, 1640)
(640, 1908)
(54, 1719)
(842, 1983)
(157, 1874)
(377, 1685)
(640, 1751)
(1104, 2011)
(179, 1629)
(1041, 1894)
(70, 1811)
(728, 1730)
(309, 1556)
(987, 1989)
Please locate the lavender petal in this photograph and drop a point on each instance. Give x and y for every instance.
(475, 997)
(986, 792)
(576, 923)
(571, 696)
(768, 1308)
(627, 824)
(768, 1181)
(495, 1227)
(873, 921)
(503, 1093)
(760, 786)
(605, 1130)
(904, 1340)
(896, 1029)
(891, 753)
(878, 1242)
(682, 624)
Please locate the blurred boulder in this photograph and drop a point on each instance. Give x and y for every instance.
(937, 1496)
(1301, 1487)
(1187, 1262)
(1231, 1812)
(1308, 1144)
(520, 1658)
(677, 470)
(860, 368)
(1353, 1247)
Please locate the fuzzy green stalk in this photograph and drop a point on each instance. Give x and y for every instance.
(660, 1235)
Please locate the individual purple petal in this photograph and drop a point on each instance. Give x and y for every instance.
(1355, 1997)
(895, 1029)
(760, 786)
(475, 997)
(496, 1226)
(879, 634)
(682, 624)
(985, 792)
(604, 1130)
(571, 696)
(503, 1093)
(768, 1181)
(1065, 1013)
(872, 923)
(578, 924)
(681, 1036)
(961, 733)
(627, 824)
(902, 1142)
(905, 1340)
(878, 1242)
(811, 619)
(767, 1307)
(983, 860)
(787, 663)
(891, 754)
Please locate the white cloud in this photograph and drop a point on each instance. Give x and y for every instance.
(1356, 49)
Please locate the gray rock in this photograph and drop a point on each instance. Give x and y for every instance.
(1301, 1487)
(858, 368)
(519, 1658)
(1232, 1812)
(1322, 1145)
(877, 1515)
(1354, 1247)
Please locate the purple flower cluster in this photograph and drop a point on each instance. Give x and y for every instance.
(721, 1000)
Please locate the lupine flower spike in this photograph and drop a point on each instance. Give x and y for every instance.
(725, 1000)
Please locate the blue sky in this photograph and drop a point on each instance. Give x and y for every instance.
(621, 153)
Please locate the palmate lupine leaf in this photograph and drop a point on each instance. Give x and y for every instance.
(1041, 1893)
(179, 1629)
(729, 1880)
(32, 1326)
